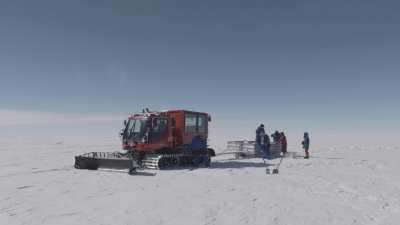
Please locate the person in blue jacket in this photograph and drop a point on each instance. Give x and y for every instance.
(267, 144)
(261, 141)
(306, 145)
(260, 132)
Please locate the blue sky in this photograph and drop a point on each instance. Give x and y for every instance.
(329, 67)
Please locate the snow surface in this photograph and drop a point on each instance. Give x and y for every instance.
(344, 185)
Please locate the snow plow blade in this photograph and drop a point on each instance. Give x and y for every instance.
(110, 160)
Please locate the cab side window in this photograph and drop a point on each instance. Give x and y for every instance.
(201, 124)
(190, 123)
(195, 123)
(159, 127)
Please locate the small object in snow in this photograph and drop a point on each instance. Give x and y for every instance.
(271, 170)
(274, 170)
(132, 171)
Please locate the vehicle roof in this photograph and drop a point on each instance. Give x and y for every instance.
(144, 115)
(183, 110)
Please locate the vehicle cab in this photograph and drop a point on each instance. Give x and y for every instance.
(173, 131)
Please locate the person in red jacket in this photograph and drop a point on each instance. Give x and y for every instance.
(283, 143)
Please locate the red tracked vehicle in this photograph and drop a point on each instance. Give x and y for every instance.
(157, 140)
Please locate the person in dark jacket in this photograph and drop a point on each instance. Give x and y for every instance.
(283, 143)
(260, 141)
(276, 136)
(260, 132)
(267, 144)
(306, 145)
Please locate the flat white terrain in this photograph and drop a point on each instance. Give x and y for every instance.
(348, 185)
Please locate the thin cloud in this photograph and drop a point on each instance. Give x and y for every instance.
(20, 117)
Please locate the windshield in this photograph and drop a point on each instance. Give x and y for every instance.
(135, 129)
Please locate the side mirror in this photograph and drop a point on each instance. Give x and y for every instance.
(146, 136)
(154, 123)
(148, 126)
(125, 122)
(209, 118)
(173, 123)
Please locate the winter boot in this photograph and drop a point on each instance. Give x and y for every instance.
(307, 155)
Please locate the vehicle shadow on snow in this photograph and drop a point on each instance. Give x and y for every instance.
(142, 173)
(237, 164)
(136, 173)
